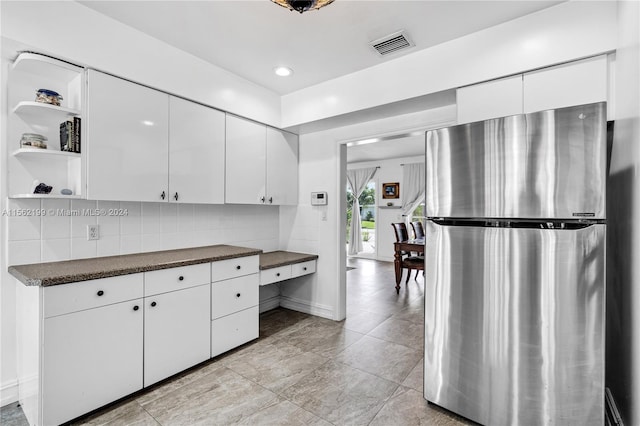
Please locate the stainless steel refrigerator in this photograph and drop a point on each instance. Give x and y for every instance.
(515, 268)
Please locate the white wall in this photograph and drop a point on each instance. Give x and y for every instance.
(558, 34)
(623, 230)
(303, 228)
(389, 171)
(86, 37)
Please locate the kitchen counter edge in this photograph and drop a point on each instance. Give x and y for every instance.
(69, 271)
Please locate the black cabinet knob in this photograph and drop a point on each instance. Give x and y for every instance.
(162, 195)
(135, 308)
(237, 294)
(176, 196)
(153, 304)
(238, 267)
(181, 278)
(100, 292)
(278, 274)
(304, 269)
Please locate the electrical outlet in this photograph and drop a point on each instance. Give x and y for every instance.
(93, 232)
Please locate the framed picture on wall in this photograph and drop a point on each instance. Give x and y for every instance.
(391, 190)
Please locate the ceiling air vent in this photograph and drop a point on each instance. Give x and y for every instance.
(392, 43)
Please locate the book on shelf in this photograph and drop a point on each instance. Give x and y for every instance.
(70, 135)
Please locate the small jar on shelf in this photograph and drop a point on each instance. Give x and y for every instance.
(33, 140)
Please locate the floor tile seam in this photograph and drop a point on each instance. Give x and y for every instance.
(421, 349)
(281, 392)
(149, 414)
(373, 374)
(386, 401)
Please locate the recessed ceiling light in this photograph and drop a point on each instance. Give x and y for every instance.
(283, 71)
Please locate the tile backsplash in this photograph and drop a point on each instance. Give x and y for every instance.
(45, 230)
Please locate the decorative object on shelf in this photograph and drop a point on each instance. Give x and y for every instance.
(65, 191)
(42, 188)
(389, 204)
(33, 140)
(48, 97)
(391, 190)
(302, 5)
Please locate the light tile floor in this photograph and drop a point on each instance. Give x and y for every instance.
(303, 370)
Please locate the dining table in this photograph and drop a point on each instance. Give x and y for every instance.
(415, 245)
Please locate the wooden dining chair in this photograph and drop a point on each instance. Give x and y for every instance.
(408, 260)
(418, 231)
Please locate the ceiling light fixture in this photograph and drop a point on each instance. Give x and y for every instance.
(302, 5)
(283, 71)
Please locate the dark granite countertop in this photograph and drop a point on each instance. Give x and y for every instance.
(278, 258)
(53, 273)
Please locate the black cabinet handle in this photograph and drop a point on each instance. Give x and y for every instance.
(262, 199)
(238, 295)
(278, 274)
(100, 292)
(176, 196)
(270, 200)
(153, 304)
(180, 278)
(162, 195)
(135, 308)
(238, 267)
(304, 269)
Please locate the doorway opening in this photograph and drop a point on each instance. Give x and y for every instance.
(367, 202)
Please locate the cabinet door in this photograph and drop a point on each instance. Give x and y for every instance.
(91, 358)
(575, 83)
(282, 167)
(246, 161)
(196, 153)
(493, 99)
(176, 332)
(127, 140)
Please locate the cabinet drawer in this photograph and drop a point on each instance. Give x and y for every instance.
(231, 268)
(273, 275)
(165, 280)
(66, 298)
(303, 268)
(233, 295)
(234, 330)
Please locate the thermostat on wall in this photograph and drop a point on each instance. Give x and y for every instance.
(318, 198)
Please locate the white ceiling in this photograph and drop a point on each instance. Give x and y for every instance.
(409, 146)
(250, 37)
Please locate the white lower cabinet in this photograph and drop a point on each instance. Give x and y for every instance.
(83, 345)
(234, 330)
(234, 303)
(176, 332)
(90, 358)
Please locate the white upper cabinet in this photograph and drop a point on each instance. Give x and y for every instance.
(196, 153)
(282, 167)
(262, 164)
(493, 99)
(127, 138)
(145, 145)
(575, 83)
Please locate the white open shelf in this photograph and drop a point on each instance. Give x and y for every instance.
(24, 152)
(31, 111)
(32, 63)
(74, 196)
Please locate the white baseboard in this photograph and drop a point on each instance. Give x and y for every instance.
(8, 392)
(306, 307)
(269, 304)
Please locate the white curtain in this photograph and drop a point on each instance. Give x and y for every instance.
(413, 184)
(357, 180)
